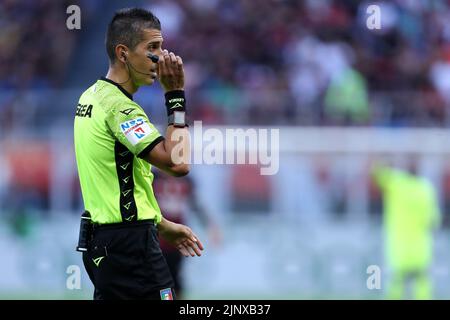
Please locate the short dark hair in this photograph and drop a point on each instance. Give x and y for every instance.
(126, 28)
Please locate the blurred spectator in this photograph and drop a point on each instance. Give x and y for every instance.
(346, 99)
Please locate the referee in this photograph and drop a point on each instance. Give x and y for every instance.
(115, 146)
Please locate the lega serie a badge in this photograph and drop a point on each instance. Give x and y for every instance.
(166, 294)
(136, 129)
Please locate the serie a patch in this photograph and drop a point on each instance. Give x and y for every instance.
(135, 130)
(166, 294)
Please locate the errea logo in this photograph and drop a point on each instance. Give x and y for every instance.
(84, 110)
(135, 130)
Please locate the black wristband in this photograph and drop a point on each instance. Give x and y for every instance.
(175, 101)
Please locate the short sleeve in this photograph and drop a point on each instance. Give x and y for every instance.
(131, 127)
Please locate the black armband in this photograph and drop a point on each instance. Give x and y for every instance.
(175, 101)
(176, 108)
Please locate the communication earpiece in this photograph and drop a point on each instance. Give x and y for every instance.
(129, 65)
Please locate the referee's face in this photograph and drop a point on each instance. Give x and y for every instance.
(144, 71)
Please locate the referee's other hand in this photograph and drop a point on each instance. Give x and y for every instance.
(181, 237)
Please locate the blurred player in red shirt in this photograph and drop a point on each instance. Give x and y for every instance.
(177, 198)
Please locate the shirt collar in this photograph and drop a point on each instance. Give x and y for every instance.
(125, 92)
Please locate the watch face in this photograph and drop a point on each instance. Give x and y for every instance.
(179, 118)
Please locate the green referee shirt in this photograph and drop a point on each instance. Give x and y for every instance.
(111, 134)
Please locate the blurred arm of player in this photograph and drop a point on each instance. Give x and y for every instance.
(172, 154)
(214, 232)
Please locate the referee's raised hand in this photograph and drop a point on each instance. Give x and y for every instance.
(170, 71)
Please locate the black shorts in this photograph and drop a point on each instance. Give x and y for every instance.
(124, 261)
(174, 260)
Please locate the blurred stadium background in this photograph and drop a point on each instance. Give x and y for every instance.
(340, 94)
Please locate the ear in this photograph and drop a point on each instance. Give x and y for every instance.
(121, 53)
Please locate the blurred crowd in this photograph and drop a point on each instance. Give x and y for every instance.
(266, 62)
(34, 48)
(313, 62)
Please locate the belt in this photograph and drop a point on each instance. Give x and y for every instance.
(125, 224)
